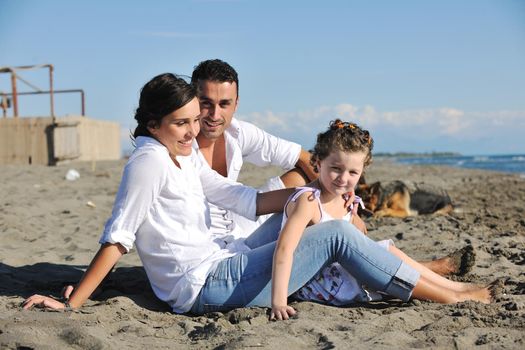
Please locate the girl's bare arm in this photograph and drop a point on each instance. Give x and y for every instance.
(359, 223)
(301, 213)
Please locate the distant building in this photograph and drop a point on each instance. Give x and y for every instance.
(49, 140)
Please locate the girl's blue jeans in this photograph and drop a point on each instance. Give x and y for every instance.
(245, 279)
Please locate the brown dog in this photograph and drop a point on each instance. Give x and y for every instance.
(395, 200)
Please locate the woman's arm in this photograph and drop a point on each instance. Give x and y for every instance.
(143, 178)
(301, 214)
(102, 263)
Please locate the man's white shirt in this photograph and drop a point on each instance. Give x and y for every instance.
(246, 142)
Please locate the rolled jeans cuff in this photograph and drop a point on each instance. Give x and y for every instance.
(403, 282)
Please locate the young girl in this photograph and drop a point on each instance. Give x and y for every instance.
(340, 157)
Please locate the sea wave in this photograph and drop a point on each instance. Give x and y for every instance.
(481, 159)
(504, 163)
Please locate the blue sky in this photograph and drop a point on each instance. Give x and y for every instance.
(422, 76)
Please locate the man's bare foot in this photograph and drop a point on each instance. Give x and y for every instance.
(463, 260)
(457, 263)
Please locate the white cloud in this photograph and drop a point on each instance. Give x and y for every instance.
(421, 126)
(452, 121)
(418, 130)
(269, 120)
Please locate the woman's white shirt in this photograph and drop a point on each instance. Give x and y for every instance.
(162, 210)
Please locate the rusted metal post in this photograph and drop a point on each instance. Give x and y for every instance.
(82, 97)
(80, 91)
(15, 93)
(51, 94)
(15, 97)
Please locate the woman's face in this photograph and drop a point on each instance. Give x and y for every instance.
(339, 173)
(178, 129)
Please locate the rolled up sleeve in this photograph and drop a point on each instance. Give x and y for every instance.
(141, 183)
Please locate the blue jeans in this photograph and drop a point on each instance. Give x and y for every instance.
(245, 279)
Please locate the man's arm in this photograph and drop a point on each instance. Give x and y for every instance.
(261, 148)
(303, 163)
(272, 201)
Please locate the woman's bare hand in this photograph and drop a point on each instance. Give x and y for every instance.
(43, 302)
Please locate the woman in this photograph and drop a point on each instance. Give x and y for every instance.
(161, 208)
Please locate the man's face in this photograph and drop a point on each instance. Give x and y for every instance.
(218, 103)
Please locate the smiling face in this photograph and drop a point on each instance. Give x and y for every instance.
(339, 173)
(218, 103)
(178, 129)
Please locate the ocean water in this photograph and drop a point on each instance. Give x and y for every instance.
(514, 163)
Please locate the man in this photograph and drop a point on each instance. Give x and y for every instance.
(224, 143)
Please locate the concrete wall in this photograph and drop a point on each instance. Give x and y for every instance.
(38, 141)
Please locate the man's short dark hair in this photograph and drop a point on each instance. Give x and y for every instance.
(214, 70)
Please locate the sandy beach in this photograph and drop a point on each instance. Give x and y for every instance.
(49, 229)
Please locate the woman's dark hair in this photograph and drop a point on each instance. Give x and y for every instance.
(159, 97)
(344, 136)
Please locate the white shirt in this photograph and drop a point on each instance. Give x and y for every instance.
(246, 142)
(162, 210)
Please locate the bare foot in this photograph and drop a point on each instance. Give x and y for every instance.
(467, 287)
(485, 295)
(463, 260)
(457, 263)
(496, 289)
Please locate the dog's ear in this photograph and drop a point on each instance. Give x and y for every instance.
(375, 187)
(362, 190)
(365, 213)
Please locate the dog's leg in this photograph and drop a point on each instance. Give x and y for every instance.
(392, 212)
(447, 209)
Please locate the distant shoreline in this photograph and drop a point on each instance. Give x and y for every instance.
(418, 155)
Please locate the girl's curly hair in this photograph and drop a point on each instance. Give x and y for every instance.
(344, 136)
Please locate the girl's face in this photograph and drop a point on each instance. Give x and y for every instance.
(339, 173)
(178, 129)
